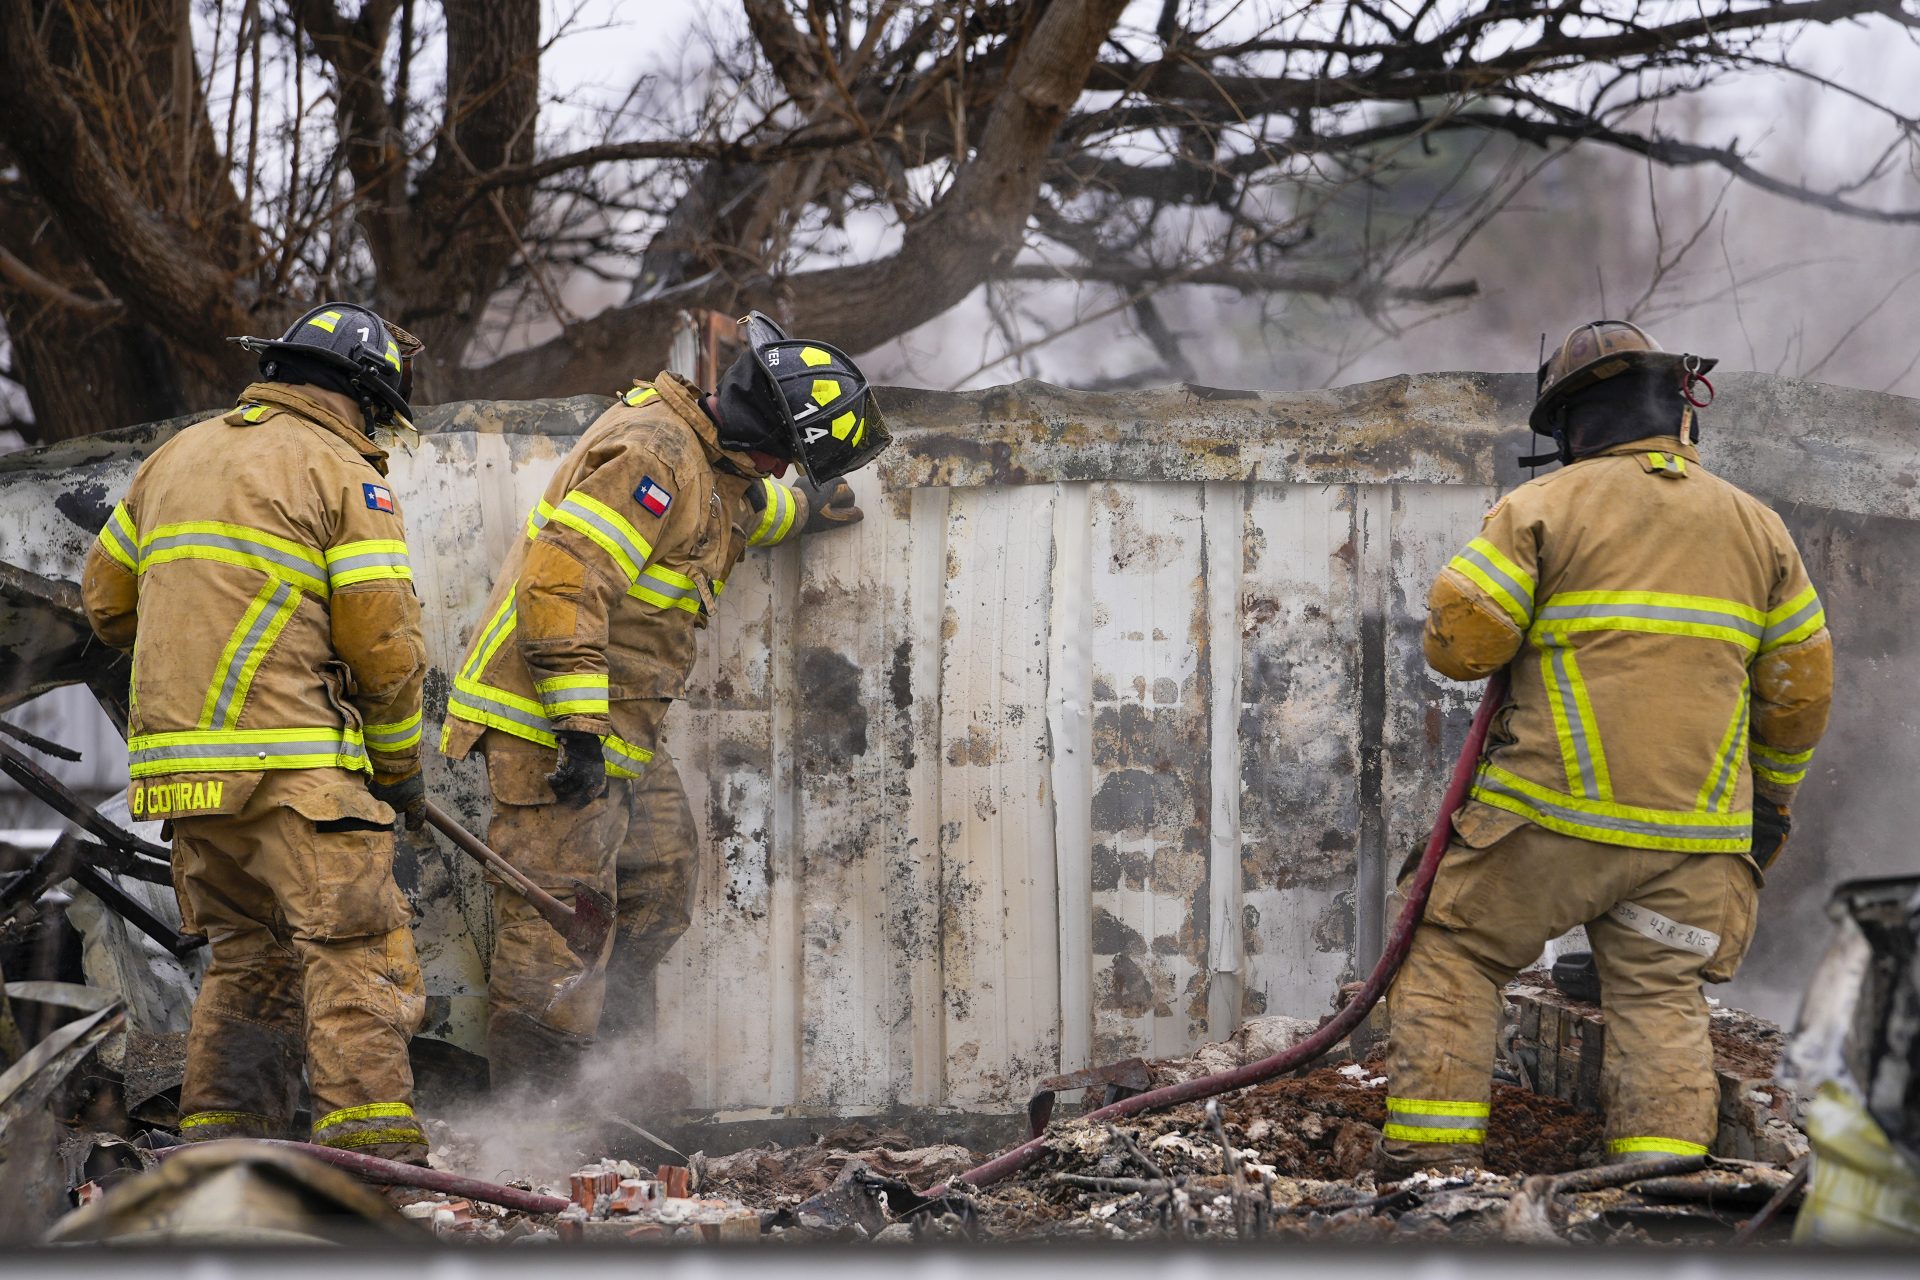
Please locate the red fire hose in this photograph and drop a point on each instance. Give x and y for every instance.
(1344, 1021)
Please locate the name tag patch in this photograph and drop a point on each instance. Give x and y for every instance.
(154, 800)
(379, 497)
(1651, 924)
(653, 497)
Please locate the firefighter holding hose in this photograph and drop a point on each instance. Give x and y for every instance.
(1670, 674)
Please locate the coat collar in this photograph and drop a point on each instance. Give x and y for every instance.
(328, 409)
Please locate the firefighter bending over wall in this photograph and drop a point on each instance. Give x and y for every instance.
(1670, 677)
(258, 571)
(589, 636)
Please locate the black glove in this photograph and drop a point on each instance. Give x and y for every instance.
(582, 776)
(406, 795)
(1771, 825)
(829, 505)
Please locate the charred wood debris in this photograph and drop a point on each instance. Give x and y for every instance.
(88, 1101)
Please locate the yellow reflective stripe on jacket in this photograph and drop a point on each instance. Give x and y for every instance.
(371, 560)
(524, 718)
(1664, 1146)
(575, 695)
(776, 517)
(1490, 570)
(1573, 722)
(120, 540)
(667, 589)
(600, 524)
(1798, 619)
(244, 750)
(1436, 1120)
(236, 545)
(1660, 612)
(397, 735)
(625, 759)
(1610, 823)
(1784, 768)
(640, 395)
(1716, 793)
(252, 639)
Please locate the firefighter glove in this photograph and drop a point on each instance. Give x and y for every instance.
(406, 795)
(1771, 825)
(582, 776)
(829, 505)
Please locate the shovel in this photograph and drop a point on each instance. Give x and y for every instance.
(584, 926)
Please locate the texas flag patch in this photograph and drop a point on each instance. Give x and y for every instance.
(379, 497)
(653, 497)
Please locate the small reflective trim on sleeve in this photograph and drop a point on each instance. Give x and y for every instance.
(1661, 1146)
(1798, 619)
(605, 528)
(624, 759)
(576, 695)
(667, 589)
(1488, 568)
(397, 736)
(368, 561)
(498, 709)
(120, 540)
(1436, 1120)
(640, 395)
(776, 517)
(1782, 768)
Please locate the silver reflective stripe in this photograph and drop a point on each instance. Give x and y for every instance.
(1653, 613)
(1736, 750)
(1798, 618)
(1577, 727)
(230, 678)
(635, 553)
(1422, 1120)
(1610, 822)
(480, 702)
(481, 646)
(240, 746)
(221, 542)
(660, 587)
(620, 753)
(1649, 923)
(369, 560)
(1522, 595)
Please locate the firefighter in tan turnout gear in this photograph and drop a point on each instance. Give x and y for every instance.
(1670, 673)
(588, 637)
(258, 572)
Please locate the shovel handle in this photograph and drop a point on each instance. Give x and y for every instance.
(471, 844)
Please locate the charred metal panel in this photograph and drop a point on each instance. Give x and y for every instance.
(1107, 727)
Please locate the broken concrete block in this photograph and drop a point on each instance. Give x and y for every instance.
(678, 1180)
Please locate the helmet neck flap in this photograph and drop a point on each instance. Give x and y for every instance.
(1628, 406)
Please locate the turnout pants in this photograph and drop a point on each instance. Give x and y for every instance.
(311, 961)
(637, 844)
(1660, 924)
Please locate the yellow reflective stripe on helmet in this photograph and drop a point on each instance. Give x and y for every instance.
(1716, 793)
(369, 560)
(606, 528)
(1664, 1146)
(575, 695)
(1658, 612)
(640, 395)
(1581, 753)
(1610, 823)
(236, 545)
(245, 750)
(1798, 619)
(1488, 568)
(395, 735)
(1436, 1120)
(246, 648)
(325, 320)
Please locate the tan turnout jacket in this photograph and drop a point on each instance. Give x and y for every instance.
(1669, 654)
(258, 571)
(591, 623)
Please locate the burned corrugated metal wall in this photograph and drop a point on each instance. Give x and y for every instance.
(1108, 726)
